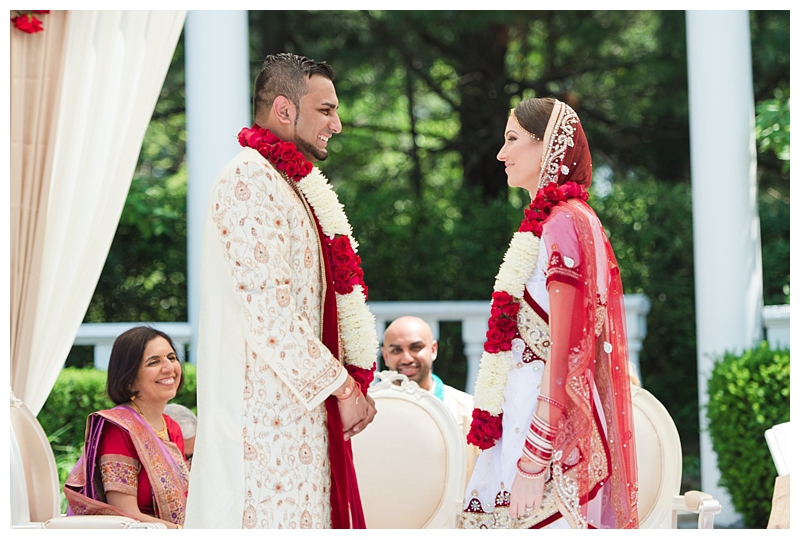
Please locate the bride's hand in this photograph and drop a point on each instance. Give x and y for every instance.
(526, 493)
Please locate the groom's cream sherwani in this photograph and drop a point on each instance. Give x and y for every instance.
(261, 456)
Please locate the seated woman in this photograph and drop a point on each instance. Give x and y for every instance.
(133, 461)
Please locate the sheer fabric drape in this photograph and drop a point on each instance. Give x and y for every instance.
(36, 69)
(115, 66)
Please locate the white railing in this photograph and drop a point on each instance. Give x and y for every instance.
(102, 336)
(776, 325)
(473, 315)
(474, 318)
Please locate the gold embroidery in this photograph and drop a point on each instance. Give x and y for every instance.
(120, 473)
(323, 284)
(534, 331)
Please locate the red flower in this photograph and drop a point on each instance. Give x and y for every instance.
(501, 299)
(341, 244)
(342, 288)
(27, 23)
(341, 275)
(485, 429)
(573, 190)
(342, 258)
(506, 324)
(41, 11)
(552, 193)
(495, 336)
(291, 169)
(287, 150)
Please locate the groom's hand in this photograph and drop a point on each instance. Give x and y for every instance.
(361, 425)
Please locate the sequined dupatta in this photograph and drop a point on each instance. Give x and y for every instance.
(594, 449)
(168, 473)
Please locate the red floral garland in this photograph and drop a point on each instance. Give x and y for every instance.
(345, 263)
(486, 428)
(346, 266)
(284, 155)
(27, 22)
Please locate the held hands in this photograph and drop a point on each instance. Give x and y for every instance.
(528, 488)
(356, 409)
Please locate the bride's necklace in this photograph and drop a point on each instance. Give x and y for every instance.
(163, 434)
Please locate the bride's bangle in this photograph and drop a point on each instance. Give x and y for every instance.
(529, 475)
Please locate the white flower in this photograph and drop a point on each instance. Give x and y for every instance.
(321, 196)
(491, 382)
(518, 264)
(357, 329)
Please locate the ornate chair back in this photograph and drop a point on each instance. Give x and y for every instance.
(34, 477)
(410, 462)
(659, 459)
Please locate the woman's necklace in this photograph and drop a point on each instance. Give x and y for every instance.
(163, 434)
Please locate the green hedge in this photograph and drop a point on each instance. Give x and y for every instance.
(748, 394)
(79, 392)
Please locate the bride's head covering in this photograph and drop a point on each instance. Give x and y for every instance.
(566, 155)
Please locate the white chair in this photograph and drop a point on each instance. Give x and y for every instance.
(410, 462)
(659, 461)
(35, 501)
(779, 440)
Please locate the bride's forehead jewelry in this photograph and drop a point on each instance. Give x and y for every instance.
(516, 121)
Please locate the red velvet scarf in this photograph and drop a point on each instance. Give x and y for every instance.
(346, 510)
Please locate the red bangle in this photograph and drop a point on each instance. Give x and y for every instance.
(542, 429)
(552, 402)
(529, 475)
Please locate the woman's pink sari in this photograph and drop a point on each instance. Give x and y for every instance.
(165, 466)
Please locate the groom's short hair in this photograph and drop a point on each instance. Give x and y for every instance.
(285, 74)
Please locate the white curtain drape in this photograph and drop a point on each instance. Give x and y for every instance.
(115, 67)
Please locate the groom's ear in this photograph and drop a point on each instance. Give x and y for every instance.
(284, 110)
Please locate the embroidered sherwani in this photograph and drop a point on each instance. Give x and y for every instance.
(261, 456)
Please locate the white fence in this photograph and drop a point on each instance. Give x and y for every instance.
(473, 315)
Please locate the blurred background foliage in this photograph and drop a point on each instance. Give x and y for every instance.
(424, 99)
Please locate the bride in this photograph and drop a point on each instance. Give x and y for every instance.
(553, 410)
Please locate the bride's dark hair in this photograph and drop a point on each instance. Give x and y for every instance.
(534, 113)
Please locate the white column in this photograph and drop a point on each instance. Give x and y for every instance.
(637, 307)
(217, 107)
(727, 241)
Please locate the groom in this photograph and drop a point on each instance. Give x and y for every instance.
(287, 345)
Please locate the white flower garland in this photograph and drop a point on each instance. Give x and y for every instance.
(356, 322)
(518, 265)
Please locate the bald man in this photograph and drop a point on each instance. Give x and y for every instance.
(409, 348)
